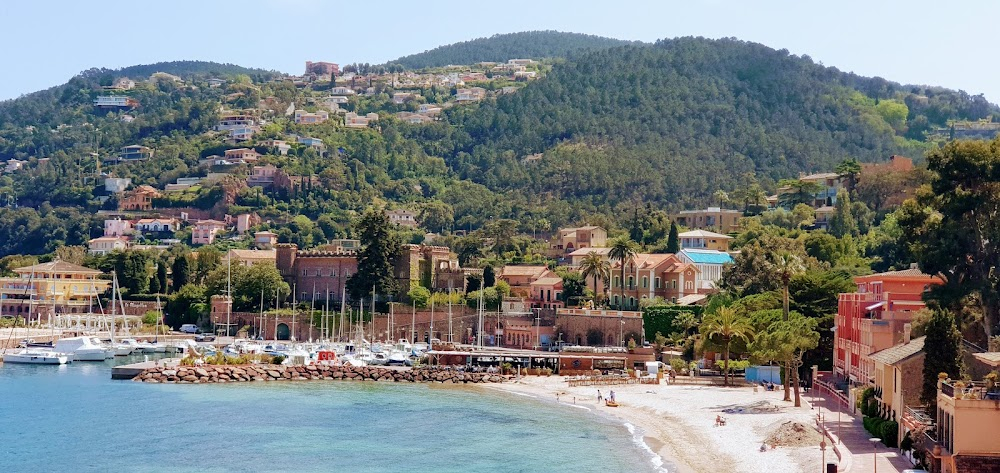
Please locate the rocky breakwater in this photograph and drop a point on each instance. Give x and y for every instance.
(242, 373)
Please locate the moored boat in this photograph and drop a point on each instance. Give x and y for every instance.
(35, 356)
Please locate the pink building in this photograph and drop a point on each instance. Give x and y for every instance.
(117, 227)
(303, 117)
(262, 176)
(245, 155)
(205, 231)
(874, 318)
(322, 68)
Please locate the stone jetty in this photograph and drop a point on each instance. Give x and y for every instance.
(243, 373)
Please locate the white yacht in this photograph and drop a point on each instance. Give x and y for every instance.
(126, 346)
(81, 349)
(36, 356)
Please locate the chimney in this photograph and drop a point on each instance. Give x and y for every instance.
(907, 327)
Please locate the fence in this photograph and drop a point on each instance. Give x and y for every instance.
(609, 381)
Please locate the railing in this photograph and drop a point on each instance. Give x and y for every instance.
(920, 415)
(609, 381)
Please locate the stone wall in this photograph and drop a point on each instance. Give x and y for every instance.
(242, 373)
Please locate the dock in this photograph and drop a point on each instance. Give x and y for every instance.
(132, 370)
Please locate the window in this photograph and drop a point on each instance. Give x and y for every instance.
(305, 272)
(645, 282)
(631, 282)
(657, 280)
(616, 283)
(673, 284)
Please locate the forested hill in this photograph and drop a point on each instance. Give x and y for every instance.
(501, 47)
(673, 122)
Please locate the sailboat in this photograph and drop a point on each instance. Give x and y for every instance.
(34, 355)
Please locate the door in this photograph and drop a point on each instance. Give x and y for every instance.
(283, 332)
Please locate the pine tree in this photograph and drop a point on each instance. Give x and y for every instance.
(942, 353)
(673, 241)
(154, 285)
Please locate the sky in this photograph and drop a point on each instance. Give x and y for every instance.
(46, 42)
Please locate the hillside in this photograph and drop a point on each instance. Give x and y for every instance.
(672, 123)
(501, 47)
(583, 139)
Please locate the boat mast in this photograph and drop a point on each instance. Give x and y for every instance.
(259, 327)
(114, 308)
(229, 288)
(343, 303)
(326, 313)
(373, 313)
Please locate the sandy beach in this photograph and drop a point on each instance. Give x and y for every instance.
(677, 422)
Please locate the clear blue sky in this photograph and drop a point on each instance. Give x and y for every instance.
(45, 42)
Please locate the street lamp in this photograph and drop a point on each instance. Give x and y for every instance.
(538, 324)
(875, 441)
(822, 448)
(621, 330)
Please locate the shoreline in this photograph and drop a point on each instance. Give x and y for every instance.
(675, 423)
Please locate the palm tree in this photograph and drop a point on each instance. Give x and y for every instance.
(727, 325)
(786, 266)
(623, 250)
(595, 266)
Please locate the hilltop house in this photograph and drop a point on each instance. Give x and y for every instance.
(568, 240)
(140, 198)
(205, 231)
(829, 183)
(242, 155)
(322, 68)
(157, 225)
(117, 227)
(710, 264)
(106, 244)
(703, 239)
(353, 120)
(262, 176)
(403, 218)
(652, 275)
(115, 101)
(713, 218)
(115, 185)
(282, 146)
(303, 117)
(135, 153)
(473, 94)
(265, 240)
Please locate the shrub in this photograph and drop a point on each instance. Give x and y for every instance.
(150, 318)
(277, 360)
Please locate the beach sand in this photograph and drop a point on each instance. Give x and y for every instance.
(677, 423)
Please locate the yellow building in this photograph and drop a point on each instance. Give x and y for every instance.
(966, 430)
(56, 287)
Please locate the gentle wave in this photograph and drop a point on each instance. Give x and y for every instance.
(640, 440)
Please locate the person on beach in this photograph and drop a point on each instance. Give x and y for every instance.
(612, 396)
(599, 398)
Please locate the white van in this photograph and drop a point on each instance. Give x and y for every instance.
(189, 328)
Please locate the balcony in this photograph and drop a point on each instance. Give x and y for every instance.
(972, 391)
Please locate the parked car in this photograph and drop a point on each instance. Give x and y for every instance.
(189, 328)
(204, 337)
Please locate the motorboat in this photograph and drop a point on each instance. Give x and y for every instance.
(126, 346)
(397, 358)
(146, 347)
(36, 356)
(109, 348)
(379, 359)
(82, 349)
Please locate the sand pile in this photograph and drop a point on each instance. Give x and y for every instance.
(759, 407)
(794, 434)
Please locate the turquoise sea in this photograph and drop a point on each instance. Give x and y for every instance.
(75, 418)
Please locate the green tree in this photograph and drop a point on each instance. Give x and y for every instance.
(185, 306)
(785, 267)
(419, 296)
(473, 282)
(596, 267)
(724, 326)
(942, 349)
(133, 269)
(161, 277)
(842, 222)
(574, 287)
(849, 169)
(209, 258)
(436, 216)
(248, 283)
(380, 245)
(181, 272)
(489, 278)
(787, 341)
(797, 192)
(952, 229)
(673, 241)
(154, 284)
(623, 250)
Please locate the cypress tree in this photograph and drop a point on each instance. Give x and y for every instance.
(942, 353)
(673, 241)
(161, 276)
(181, 272)
(489, 278)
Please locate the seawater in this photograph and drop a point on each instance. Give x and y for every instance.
(75, 418)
